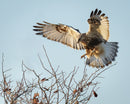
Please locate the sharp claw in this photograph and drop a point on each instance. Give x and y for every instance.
(83, 56)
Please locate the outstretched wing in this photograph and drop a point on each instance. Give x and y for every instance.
(98, 17)
(60, 33)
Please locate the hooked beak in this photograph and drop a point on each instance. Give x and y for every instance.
(89, 21)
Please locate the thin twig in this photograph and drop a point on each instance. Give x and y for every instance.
(4, 78)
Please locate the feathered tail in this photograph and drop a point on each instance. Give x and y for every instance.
(107, 55)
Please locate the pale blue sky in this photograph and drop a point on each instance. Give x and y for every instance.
(18, 41)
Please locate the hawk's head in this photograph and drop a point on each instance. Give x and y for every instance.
(94, 21)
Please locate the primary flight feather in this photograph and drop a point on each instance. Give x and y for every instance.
(99, 51)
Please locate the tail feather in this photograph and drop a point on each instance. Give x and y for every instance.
(104, 58)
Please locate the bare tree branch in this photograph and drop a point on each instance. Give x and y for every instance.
(55, 88)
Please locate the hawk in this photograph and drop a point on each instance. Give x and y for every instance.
(99, 51)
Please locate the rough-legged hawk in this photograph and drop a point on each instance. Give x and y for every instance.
(99, 51)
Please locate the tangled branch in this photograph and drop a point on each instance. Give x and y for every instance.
(58, 88)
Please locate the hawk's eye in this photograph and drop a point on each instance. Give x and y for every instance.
(97, 22)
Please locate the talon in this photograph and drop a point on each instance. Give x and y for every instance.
(83, 56)
(92, 52)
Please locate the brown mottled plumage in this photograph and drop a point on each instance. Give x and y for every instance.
(99, 51)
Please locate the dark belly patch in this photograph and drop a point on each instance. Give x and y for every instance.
(92, 42)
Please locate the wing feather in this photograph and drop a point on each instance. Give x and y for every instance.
(60, 33)
(103, 28)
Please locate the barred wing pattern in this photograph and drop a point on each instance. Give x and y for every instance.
(60, 33)
(103, 28)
